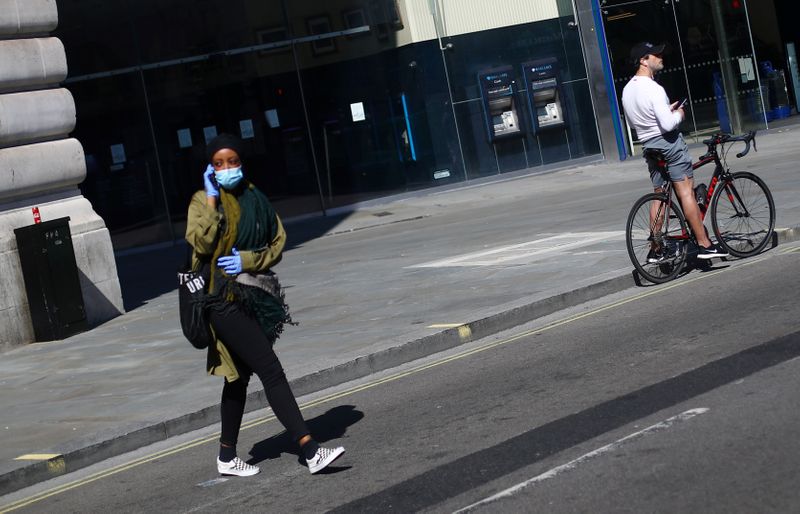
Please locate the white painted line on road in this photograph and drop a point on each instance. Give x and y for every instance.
(658, 427)
(445, 325)
(527, 250)
(209, 483)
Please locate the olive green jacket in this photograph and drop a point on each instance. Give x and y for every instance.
(202, 224)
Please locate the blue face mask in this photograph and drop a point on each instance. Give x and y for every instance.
(229, 178)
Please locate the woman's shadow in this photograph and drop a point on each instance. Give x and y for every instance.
(328, 426)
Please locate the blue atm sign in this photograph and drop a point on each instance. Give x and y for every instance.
(496, 78)
(543, 68)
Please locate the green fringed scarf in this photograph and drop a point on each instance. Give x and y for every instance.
(250, 224)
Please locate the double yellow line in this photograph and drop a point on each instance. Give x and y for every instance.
(374, 383)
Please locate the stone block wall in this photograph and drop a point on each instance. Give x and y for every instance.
(40, 165)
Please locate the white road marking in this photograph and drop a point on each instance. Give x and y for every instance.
(528, 250)
(212, 482)
(658, 427)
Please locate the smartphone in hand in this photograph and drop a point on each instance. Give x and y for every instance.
(682, 103)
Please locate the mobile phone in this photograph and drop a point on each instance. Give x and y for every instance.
(683, 102)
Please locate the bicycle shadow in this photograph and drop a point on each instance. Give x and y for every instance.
(702, 265)
(331, 425)
(692, 264)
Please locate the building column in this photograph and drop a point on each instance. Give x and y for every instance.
(41, 166)
(601, 82)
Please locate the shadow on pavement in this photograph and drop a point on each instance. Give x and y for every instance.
(149, 273)
(326, 427)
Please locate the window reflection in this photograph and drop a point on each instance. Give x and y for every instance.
(336, 102)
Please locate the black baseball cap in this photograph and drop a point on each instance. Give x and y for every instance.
(639, 50)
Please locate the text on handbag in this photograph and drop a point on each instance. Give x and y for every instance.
(194, 284)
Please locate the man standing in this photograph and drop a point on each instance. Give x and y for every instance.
(656, 122)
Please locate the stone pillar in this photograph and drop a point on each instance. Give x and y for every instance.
(41, 166)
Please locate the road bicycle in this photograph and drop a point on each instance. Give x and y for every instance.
(740, 203)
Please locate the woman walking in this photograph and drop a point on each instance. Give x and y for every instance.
(238, 237)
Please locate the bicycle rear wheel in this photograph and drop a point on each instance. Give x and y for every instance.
(743, 214)
(656, 238)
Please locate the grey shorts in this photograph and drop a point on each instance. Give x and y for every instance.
(679, 162)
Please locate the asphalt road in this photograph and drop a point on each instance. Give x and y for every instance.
(670, 398)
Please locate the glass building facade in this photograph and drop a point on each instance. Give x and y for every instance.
(337, 102)
(711, 58)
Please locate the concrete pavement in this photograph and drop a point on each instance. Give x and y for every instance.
(371, 289)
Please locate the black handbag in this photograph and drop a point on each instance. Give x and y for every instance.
(192, 290)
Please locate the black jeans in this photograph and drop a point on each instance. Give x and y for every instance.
(253, 353)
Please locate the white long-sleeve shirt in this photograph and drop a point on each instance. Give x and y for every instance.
(647, 108)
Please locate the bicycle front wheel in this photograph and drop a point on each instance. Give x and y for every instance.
(657, 238)
(743, 214)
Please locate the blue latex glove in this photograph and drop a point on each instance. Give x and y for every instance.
(231, 264)
(212, 189)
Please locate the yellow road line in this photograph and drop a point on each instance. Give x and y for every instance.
(357, 389)
(38, 456)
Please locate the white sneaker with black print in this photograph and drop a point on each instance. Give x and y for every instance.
(323, 458)
(237, 467)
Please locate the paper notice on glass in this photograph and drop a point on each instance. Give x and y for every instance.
(184, 138)
(746, 69)
(272, 118)
(246, 128)
(209, 133)
(357, 110)
(118, 153)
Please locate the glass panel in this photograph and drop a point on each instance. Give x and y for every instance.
(253, 96)
(720, 64)
(478, 54)
(479, 154)
(92, 35)
(719, 79)
(331, 114)
(185, 28)
(122, 180)
(583, 139)
(378, 113)
(652, 21)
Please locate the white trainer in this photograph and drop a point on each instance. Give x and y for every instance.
(323, 458)
(236, 467)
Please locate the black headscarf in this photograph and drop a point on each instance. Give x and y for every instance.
(223, 141)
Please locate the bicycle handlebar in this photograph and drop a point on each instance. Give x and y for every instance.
(722, 138)
(747, 138)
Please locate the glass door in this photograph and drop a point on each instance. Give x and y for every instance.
(720, 65)
(709, 58)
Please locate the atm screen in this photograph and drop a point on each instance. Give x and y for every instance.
(499, 90)
(543, 84)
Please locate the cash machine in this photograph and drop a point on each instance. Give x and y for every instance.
(500, 108)
(545, 98)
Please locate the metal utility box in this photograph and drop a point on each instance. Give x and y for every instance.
(51, 279)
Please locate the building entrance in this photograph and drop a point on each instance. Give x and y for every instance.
(709, 59)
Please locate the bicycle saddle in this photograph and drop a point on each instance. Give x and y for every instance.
(655, 157)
